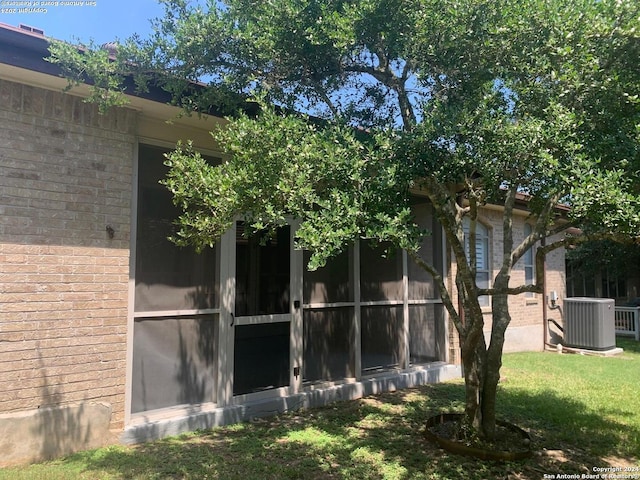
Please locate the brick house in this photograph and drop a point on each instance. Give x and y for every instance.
(109, 333)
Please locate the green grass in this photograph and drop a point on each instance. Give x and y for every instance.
(581, 411)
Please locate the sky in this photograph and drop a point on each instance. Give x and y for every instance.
(100, 20)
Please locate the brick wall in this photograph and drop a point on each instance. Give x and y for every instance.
(556, 280)
(526, 329)
(65, 174)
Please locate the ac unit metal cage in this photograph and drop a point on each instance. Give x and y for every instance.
(590, 323)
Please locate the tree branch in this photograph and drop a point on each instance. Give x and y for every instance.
(325, 98)
(507, 231)
(381, 75)
(540, 230)
(385, 75)
(406, 108)
(510, 290)
(444, 292)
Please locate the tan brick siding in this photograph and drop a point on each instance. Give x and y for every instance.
(556, 280)
(65, 174)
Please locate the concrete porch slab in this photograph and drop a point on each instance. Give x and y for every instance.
(585, 351)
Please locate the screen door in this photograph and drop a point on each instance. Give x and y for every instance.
(262, 319)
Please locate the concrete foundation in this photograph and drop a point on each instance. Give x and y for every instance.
(526, 338)
(204, 417)
(51, 432)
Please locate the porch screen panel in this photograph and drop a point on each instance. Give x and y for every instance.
(262, 272)
(328, 346)
(261, 357)
(381, 337)
(168, 278)
(426, 333)
(174, 362)
(329, 284)
(380, 276)
(421, 284)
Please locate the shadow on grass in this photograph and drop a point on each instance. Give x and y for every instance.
(557, 422)
(629, 344)
(378, 437)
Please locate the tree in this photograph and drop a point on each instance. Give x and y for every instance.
(469, 102)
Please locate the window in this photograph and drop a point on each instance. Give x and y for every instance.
(529, 262)
(482, 257)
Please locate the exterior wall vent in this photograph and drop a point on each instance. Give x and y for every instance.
(27, 28)
(589, 323)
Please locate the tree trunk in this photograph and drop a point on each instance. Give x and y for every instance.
(482, 372)
(493, 363)
(473, 352)
(473, 364)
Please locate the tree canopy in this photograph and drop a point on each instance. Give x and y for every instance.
(532, 94)
(367, 102)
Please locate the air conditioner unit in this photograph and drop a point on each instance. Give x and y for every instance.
(590, 323)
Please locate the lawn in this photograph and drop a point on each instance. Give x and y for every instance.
(581, 411)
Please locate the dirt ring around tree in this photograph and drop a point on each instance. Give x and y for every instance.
(512, 442)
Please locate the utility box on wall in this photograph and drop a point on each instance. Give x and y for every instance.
(590, 323)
